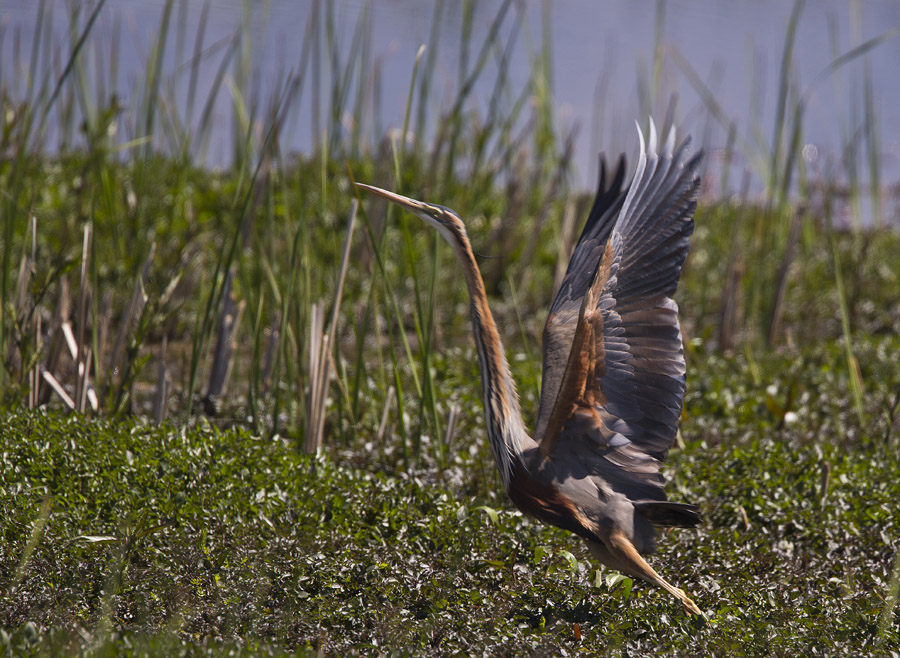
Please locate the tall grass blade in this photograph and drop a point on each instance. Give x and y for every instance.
(853, 375)
(454, 120)
(784, 82)
(715, 108)
(134, 310)
(781, 280)
(553, 190)
(70, 64)
(566, 243)
(37, 533)
(196, 59)
(31, 320)
(388, 401)
(205, 123)
(659, 26)
(429, 73)
(872, 144)
(161, 398)
(154, 74)
(731, 304)
(342, 274)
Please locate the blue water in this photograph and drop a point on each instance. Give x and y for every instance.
(601, 51)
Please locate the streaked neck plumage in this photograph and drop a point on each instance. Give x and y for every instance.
(502, 414)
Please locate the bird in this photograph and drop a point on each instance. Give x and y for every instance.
(613, 372)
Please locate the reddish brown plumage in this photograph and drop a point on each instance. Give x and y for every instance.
(581, 382)
(547, 503)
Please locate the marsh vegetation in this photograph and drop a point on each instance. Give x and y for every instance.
(241, 413)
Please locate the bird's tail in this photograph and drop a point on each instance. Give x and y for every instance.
(668, 514)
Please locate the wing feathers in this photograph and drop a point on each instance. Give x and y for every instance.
(559, 330)
(634, 393)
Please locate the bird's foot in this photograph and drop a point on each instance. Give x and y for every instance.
(689, 606)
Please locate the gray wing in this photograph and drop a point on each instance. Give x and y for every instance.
(559, 329)
(621, 385)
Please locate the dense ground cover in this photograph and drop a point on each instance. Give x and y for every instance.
(129, 538)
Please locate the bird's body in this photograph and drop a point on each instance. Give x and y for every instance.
(613, 366)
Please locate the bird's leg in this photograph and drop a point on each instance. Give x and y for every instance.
(628, 560)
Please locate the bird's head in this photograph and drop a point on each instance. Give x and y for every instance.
(447, 222)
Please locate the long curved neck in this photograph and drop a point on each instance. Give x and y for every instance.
(502, 414)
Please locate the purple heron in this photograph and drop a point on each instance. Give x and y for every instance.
(613, 377)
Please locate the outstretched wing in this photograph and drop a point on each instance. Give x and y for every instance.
(613, 356)
(562, 319)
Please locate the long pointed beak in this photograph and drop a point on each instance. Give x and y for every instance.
(410, 204)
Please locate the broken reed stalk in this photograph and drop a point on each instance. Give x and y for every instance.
(57, 339)
(16, 354)
(84, 391)
(104, 317)
(58, 388)
(87, 393)
(319, 346)
(853, 374)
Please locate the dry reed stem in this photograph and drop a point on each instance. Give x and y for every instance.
(318, 343)
(226, 343)
(452, 418)
(81, 355)
(388, 401)
(320, 359)
(58, 389)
